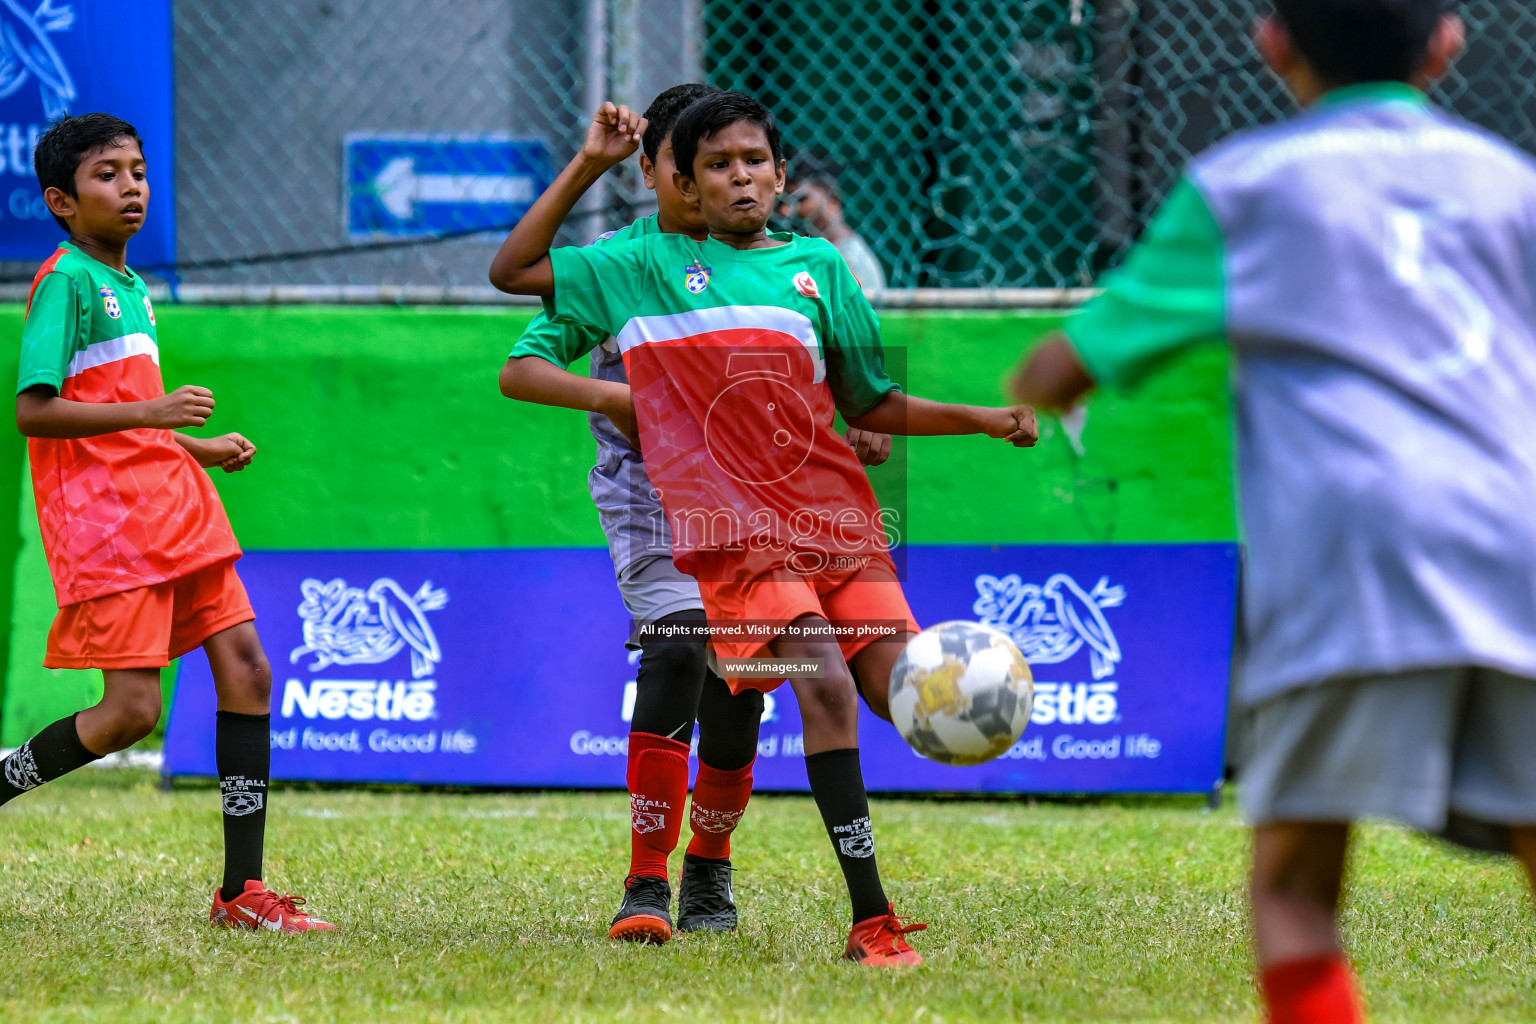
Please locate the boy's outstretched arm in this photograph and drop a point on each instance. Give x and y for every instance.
(534, 379)
(899, 413)
(1053, 378)
(522, 265)
(40, 412)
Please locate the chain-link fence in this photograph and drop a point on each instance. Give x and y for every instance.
(1019, 144)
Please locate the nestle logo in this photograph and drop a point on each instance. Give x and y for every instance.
(361, 699)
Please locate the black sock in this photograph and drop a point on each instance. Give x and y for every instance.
(243, 748)
(55, 751)
(728, 725)
(668, 683)
(837, 783)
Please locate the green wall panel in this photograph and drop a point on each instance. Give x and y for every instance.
(383, 428)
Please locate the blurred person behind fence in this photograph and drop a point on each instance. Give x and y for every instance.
(815, 203)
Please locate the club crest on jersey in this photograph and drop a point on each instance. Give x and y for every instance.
(109, 300)
(150, 310)
(805, 284)
(697, 278)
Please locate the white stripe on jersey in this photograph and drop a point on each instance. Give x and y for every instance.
(643, 330)
(112, 350)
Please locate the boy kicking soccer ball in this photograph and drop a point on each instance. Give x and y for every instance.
(674, 685)
(1372, 264)
(140, 550)
(738, 349)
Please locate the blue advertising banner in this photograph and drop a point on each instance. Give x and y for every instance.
(508, 668)
(71, 57)
(399, 186)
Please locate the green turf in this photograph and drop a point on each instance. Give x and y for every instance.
(475, 907)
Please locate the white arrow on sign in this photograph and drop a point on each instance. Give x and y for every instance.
(400, 188)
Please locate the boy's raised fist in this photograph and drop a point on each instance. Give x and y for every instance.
(614, 134)
(1016, 425)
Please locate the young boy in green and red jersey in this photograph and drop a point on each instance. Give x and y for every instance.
(739, 347)
(674, 685)
(141, 552)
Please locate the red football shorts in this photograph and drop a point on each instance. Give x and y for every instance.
(868, 596)
(148, 627)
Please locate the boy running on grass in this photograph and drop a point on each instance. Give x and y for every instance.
(138, 544)
(738, 349)
(1371, 262)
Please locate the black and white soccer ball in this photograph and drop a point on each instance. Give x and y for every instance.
(961, 693)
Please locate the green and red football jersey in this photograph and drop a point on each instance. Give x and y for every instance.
(738, 360)
(122, 510)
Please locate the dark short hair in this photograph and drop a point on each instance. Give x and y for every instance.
(814, 166)
(712, 115)
(68, 141)
(1351, 41)
(661, 116)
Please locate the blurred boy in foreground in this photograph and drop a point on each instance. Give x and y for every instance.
(1371, 263)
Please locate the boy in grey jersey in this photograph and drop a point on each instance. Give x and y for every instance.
(1373, 265)
(674, 686)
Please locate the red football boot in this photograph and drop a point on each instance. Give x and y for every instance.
(260, 907)
(878, 942)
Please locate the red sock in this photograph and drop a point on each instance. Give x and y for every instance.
(1318, 990)
(719, 801)
(658, 787)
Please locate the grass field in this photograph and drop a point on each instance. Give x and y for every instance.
(488, 907)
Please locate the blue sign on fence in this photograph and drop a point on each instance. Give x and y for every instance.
(398, 186)
(62, 57)
(508, 668)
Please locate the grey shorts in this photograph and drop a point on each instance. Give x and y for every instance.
(1444, 751)
(653, 588)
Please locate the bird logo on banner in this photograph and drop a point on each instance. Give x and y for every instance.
(1051, 623)
(350, 626)
(26, 53)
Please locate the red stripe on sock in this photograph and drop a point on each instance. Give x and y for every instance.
(1317, 990)
(658, 788)
(719, 800)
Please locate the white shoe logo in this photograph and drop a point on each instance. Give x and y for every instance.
(272, 926)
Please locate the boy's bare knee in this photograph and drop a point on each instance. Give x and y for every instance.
(245, 671)
(1299, 863)
(256, 673)
(133, 718)
(832, 697)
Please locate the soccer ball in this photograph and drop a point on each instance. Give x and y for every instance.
(961, 693)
